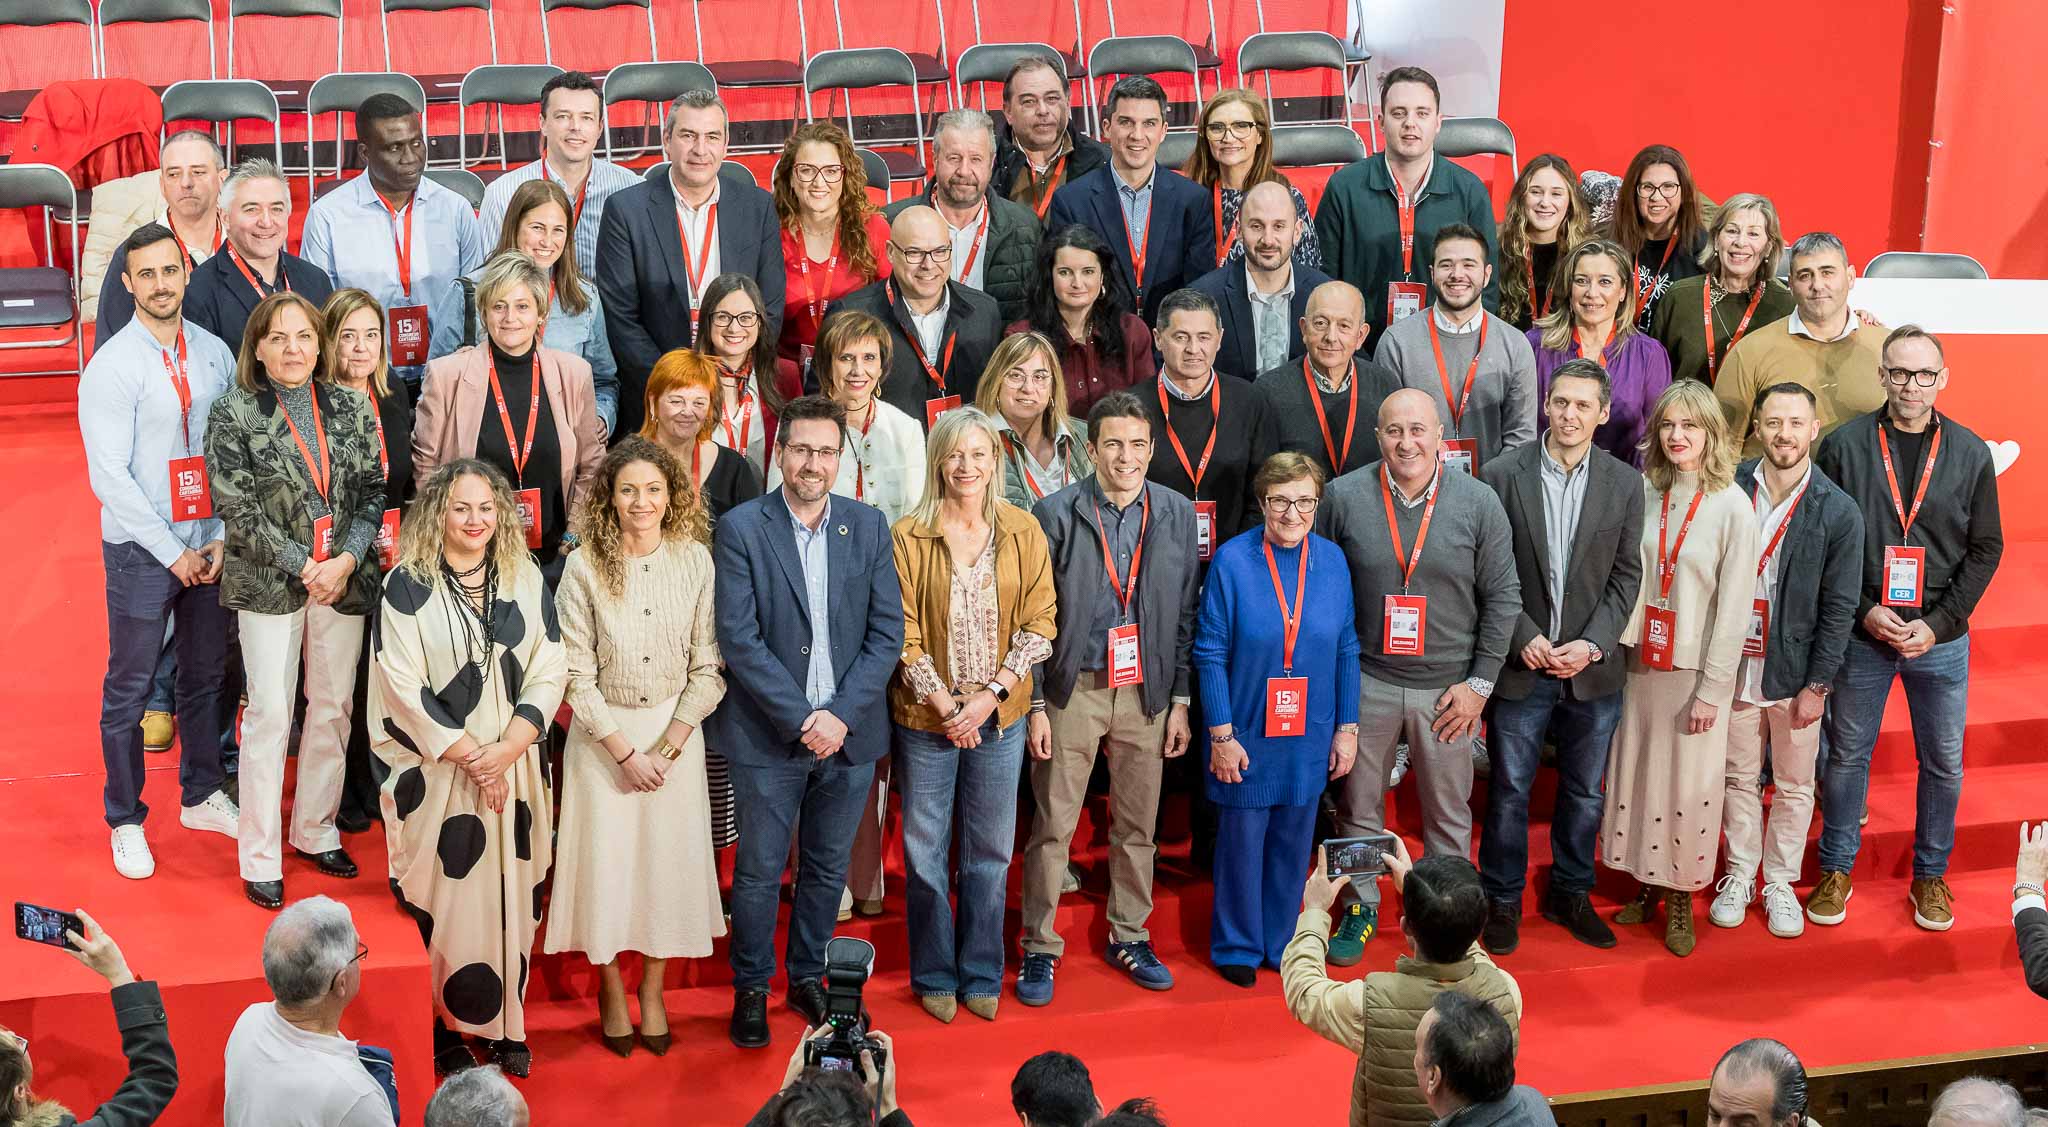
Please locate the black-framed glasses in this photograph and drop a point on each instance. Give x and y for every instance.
(1652, 191)
(1219, 129)
(1900, 377)
(1306, 506)
(745, 320)
(920, 257)
(362, 952)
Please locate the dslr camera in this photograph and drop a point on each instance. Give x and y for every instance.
(848, 962)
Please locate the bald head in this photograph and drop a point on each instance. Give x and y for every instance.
(920, 253)
(190, 176)
(1410, 432)
(1333, 328)
(1268, 225)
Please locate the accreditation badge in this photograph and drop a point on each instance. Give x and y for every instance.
(191, 499)
(1660, 634)
(1904, 576)
(1286, 706)
(1125, 668)
(1406, 618)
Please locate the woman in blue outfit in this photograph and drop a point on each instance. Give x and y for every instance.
(1276, 639)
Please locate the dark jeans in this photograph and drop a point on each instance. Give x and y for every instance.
(828, 794)
(1937, 691)
(163, 690)
(1584, 729)
(142, 596)
(163, 683)
(947, 794)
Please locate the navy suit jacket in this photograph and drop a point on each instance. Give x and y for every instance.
(645, 286)
(764, 630)
(1180, 236)
(220, 300)
(1229, 287)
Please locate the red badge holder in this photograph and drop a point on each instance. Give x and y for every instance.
(1205, 529)
(1405, 624)
(191, 499)
(1460, 454)
(387, 540)
(528, 501)
(1404, 298)
(323, 538)
(408, 336)
(1286, 706)
(1759, 628)
(933, 408)
(1905, 576)
(1660, 634)
(1125, 667)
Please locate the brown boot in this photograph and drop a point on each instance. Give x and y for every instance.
(1638, 910)
(1678, 934)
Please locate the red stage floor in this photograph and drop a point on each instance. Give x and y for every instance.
(1873, 988)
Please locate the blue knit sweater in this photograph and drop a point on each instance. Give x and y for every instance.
(1239, 641)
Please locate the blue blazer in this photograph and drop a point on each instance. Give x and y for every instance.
(764, 630)
(1230, 288)
(1180, 237)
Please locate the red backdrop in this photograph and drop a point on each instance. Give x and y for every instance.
(1989, 189)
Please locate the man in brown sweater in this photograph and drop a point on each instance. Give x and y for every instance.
(1823, 346)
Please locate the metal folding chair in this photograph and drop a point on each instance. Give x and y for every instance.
(1295, 52)
(869, 68)
(113, 13)
(511, 84)
(442, 87)
(46, 13)
(291, 93)
(547, 44)
(1923, 264)
(655, 84)
(1141, 54)
(341, 93)
(40, 297)
(225, 101)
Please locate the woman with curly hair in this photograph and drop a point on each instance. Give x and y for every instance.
(832, 234)
(470, 670)
(635, 870)
(1546, 217)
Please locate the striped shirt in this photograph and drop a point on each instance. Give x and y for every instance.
(605, 178)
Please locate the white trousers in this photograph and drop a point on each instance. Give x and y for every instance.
(1780, 845)
(272, 646)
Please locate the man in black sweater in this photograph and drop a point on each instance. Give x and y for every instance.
(1212, 431)
(1325, 401)
(1924, 568)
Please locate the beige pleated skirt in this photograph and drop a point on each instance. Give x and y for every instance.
(1662, 818)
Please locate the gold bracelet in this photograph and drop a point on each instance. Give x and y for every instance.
(669, 751)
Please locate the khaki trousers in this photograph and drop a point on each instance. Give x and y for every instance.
(272, 646)
(1781, 843)
(1136, 744)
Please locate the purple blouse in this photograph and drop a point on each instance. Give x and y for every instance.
(1639, 371)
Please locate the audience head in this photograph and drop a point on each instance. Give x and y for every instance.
(1544, 207)
(189, 169)
(1189, 335)
(854, 351)
(817, 1098)
(463, 508)
(1023, 386)
(1577, 403)
(389, 141)
(920, 252)
(256, 205)
(1464, 1053)
(1288, 488)
(17, 1073)
(1745, 241)
(807, 446)
(1035, 102)
(963, 462)
(641, 489)
(1688, 433)
(540, 223)
(1138, 1111)
(1134, 122)
(1236, 148)
(963, 158)
(312, 958)
(512, 301)
(1442, 907)
(1657, 199)
(1596, 279)
(1978, 1101)
(1410, 112)
(155, 272)
(353, 326)
(1268, 225)
(280, 344)
(1758, 1083)
(1053, 1089)
(694, 140)
(1333, 325)
(1820, 277)
(1914, 371)
(1786, 419)
(1411, 430)
(682, 400)
(1459, 267)
(477, 1097)
(1076, 275)
(820, 177)
(571, 118)
(1120, 441)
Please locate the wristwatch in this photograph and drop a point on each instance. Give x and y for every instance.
(1820, 689)
(669, 751)
(1002, 694)
(1480, 685)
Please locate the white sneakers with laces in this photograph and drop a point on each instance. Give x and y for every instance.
(132, 858)
(1731, 901)
(217, 813)
(1781, 911)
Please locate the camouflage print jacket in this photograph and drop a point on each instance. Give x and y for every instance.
(261, 486)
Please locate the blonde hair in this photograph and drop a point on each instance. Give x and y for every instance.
(505, 270)
(1202, 166)
(948, 434)
(341, 305)
(597, 523)
(1717, 461)
(421, 534)
(1557, 326)
(1710, 254)
(1577, 226)
(1013, 352)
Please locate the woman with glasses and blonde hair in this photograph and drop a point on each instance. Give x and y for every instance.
(1235, 152)
(682, 418)
(977, 616)
(1702, 318)
(470, 670)
(1594, 320)
(1665, 769)
(1660, 221)
(753, 382)
(1044, 449)
(634, 864)
(832, 233)
(1277, 653)
(1546, 217)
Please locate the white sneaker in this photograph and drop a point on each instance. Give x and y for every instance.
(1731, 902)
(1400, 769)
(217, 814)
(1781, 911)
(132, 858)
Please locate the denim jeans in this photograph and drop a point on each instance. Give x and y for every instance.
(1937, 692)
(827, 793)
(142, 596)
(970, 795)
(1584, 729)
(163, 684)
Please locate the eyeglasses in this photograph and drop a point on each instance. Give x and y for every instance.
(806, 453)
(806, 173)
(1652, 191)
(1231, 128)
(1925, 377)
(920, 257)
(1018, 377)
(362, 952)
(727, 320)
(1306, 506)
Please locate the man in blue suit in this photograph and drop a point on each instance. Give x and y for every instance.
(1262, 295)
(810, 621)
(1133, 203)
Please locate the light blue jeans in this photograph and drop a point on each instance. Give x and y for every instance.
(969, 795)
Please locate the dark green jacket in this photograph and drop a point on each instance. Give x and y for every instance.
(1013, 234)
(1359, 226)
(261, 486)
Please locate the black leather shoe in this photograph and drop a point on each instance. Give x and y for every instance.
(1238, 975)
(1573, 911)
(265, 893)
(334, 862)
(353, 821)
(749, 1028)
(1503, 927)
(808, 998)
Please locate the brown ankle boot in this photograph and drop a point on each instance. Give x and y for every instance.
(1638, 910)
(1678, 934)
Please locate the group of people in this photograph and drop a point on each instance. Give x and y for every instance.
(888, 495)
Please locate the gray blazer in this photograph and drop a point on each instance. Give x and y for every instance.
(1601, 578)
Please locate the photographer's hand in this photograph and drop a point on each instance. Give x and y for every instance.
(796, 1059)
(99, 952)
(881, 1088)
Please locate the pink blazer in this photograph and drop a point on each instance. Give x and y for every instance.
(457, 391)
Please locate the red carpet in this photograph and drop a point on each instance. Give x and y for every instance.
(1873, 988)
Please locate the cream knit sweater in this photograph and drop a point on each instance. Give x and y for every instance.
(656, 641)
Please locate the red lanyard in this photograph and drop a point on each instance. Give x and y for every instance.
(1707, 312)
(696, 464)
(974, 248)
(694, 269)
(1045, 190)
(1443, 372)
(284, 282)
(1291, 623)
(182, 384)
(520, 450)
(1196, 471)
(1394, 526)
(1667, 566)
(1579, 342)
(1125, 590)
(1405, 209)
(1645, 283)
(401, 247)
(1136, 246)
(1315, 399)
(1536, 311)
(814, 300)
(1024, 463)
(582, 193)
(1225, 238)
(738, 443)
(1891, 478)
(1771, 548)
(936, 375)
(860, 467)
(192, 263)
(320, 471)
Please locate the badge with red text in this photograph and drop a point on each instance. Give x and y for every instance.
(933, 408)
(1205, 529)
(1407, 616)
(190, 497)
(323, 538)
(408, 335)
(1759, 628)
(1904, 575)
(528, 501)
(1124, 666)
(1660, 633)
(1460, 454)
(1404, 298)
(1286, 706)
(387, 540)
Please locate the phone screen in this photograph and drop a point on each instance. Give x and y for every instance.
(45, 925)
(1358, 856)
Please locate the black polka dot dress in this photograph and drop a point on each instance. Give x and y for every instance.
(471, 876)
